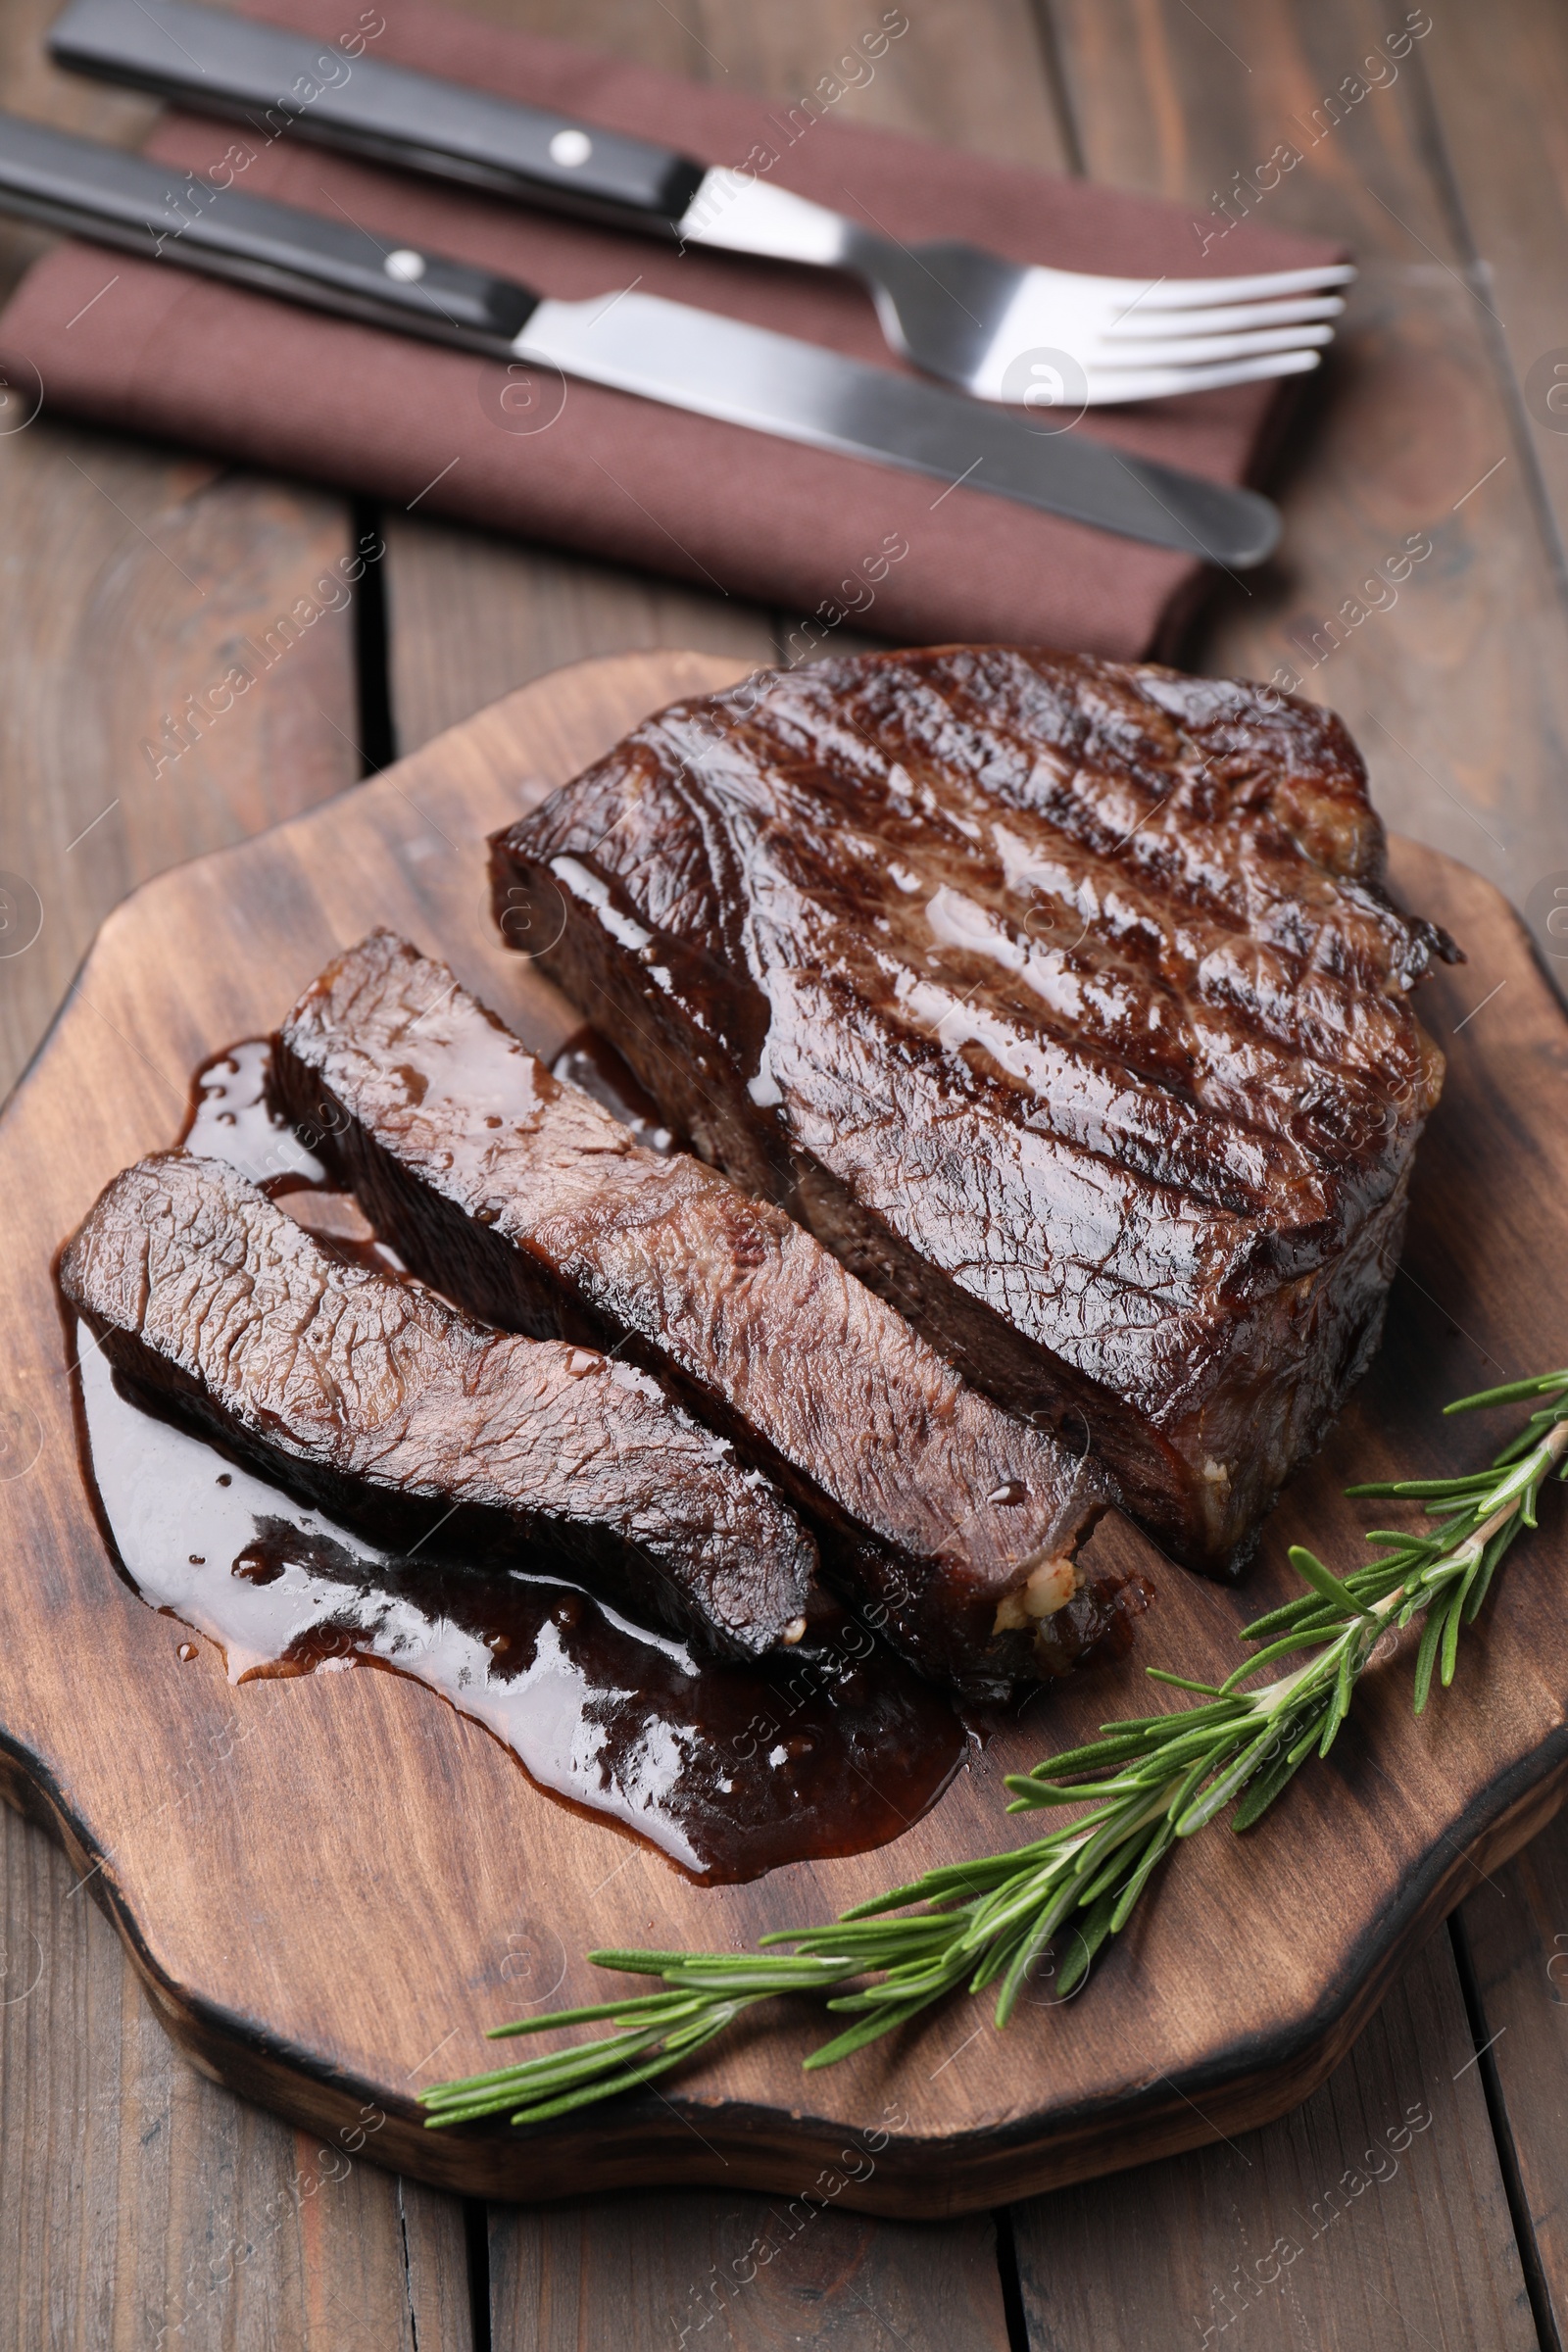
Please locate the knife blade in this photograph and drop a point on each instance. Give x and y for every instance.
(748, 375)
(629, 342)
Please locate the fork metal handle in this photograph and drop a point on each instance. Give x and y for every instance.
(741, 214)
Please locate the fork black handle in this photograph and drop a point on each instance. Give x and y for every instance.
(155, 210)
(337, 94)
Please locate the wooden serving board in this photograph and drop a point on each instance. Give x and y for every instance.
(333, 1885)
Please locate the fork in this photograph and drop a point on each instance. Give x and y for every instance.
(1036, 337)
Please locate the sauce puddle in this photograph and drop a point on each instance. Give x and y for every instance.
(729, 1770)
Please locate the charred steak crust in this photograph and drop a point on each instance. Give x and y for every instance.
(389, 1407)
(529, 1204)
(1063, 999)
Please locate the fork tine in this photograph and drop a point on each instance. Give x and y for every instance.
(1108, 387)
(1199, 293)
(1181, 351)
(1149, 320)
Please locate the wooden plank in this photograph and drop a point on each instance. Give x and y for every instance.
(1454, 679)
(472, 617)
(1510, 194)
(1513, 1934)
(1499, 81)
(972, 72)
(162, 576)
(142, 2198)
(652, 2273)
(1373, 2215)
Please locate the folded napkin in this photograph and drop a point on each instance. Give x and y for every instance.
(150, 348)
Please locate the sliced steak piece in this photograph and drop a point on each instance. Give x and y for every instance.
(531, 1204)
(1062, 999)
(387, 1407)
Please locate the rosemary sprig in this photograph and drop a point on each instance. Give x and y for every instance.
(1148, 1783)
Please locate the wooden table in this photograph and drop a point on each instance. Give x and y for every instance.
(142, 2205)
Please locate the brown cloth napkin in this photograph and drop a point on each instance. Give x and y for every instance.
(153, 348)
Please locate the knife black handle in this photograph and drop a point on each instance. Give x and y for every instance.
(158, 212)
(274, 80)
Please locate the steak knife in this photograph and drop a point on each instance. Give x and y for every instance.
(637, 343)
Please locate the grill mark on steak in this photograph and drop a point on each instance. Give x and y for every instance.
(389, 1407)
(1063, 999)
(534, 1207)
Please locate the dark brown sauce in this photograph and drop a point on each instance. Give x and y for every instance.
(730, 1771)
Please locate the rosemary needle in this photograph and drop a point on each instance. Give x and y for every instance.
(1149, 1782)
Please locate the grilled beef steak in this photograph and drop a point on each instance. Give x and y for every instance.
(389, 1407)
(1062, 999)
(533, 1206)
